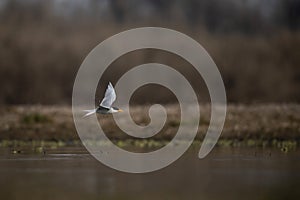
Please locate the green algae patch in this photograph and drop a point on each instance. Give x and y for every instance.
(138, 145)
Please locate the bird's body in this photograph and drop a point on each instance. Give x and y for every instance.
(103, 110)
(105, 106)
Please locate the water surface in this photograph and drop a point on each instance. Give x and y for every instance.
(227, 173)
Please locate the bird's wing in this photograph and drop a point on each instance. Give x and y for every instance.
(110, 96)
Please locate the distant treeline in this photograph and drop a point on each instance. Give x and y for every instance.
(254, 43)
(244, 16)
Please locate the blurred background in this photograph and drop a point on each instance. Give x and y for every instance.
(255, 44)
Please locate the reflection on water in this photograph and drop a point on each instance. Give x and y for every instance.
(226, 173)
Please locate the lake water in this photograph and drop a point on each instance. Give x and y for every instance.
(227, 173)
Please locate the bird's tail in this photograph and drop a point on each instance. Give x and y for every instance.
(90, 112)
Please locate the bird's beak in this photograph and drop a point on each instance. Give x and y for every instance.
(120, 110)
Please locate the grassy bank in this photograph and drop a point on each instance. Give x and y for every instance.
(246, 124)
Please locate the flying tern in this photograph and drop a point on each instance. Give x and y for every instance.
(105, 106)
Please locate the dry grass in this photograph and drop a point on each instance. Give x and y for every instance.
(262, 122)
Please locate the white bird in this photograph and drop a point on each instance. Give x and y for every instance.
(105, 106)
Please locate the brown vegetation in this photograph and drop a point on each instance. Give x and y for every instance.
(261, 122)
(41, 48)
